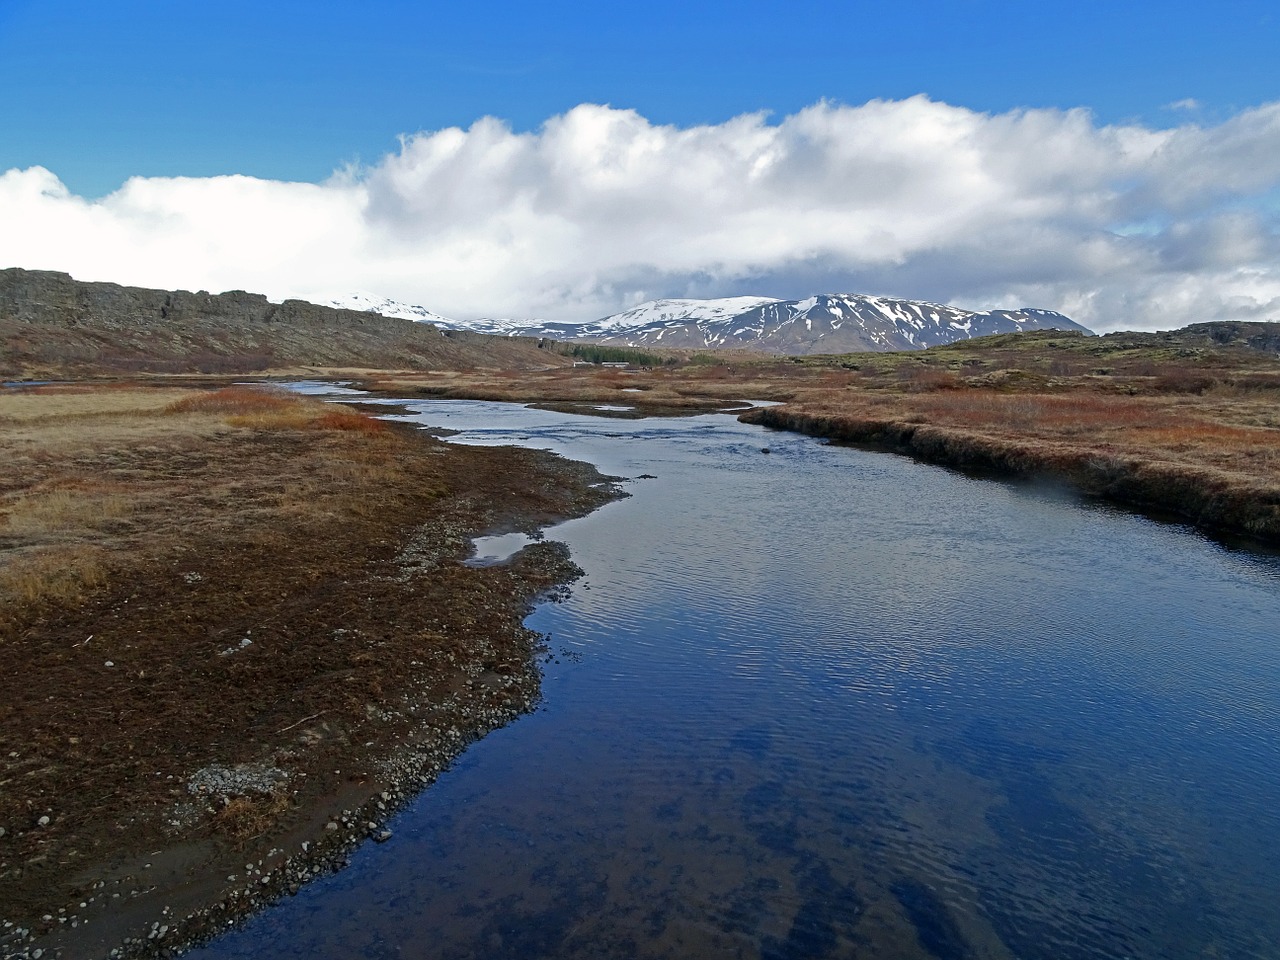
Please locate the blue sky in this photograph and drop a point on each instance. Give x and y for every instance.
(928, 149)
(292, 90)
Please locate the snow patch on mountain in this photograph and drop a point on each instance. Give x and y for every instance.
(830, 323)
(371, 303)
(827, 323)
(666, 311)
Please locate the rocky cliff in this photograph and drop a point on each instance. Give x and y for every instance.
(52, 324)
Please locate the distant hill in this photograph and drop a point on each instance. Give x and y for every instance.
(828, 323)
(834, 323)
(1253, 334)
(53, 325)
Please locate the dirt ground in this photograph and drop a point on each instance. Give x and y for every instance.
(236, 634)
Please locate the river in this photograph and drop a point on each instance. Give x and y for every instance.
(821, 702)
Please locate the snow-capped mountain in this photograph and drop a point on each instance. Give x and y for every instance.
(828, 323)
(681, 311)
(836, 323)
(371, 303)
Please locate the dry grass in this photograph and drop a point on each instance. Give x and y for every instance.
(660, 390)
(43, 403)
(251, 407)
(50, 576)
(349, 421)
(245, 818)
(1176, 429)
(237, 400)
(1201, 433)
(272, 408)
(1069, 414)
(135, 469)
(70, 510)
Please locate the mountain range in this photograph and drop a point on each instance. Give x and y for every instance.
(826, 323)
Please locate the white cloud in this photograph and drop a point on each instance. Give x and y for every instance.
(1118, 226)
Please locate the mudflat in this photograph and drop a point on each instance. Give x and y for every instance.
(235, 634)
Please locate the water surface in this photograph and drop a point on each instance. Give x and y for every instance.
(830, 703)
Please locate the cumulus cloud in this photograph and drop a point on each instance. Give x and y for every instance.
(1115, 225)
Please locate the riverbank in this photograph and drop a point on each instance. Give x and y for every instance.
(236, 635)
(1222, 478)
(1187, 432)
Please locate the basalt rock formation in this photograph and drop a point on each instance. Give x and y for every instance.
(52, 324)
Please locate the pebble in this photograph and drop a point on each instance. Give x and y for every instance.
(408, 774)
(43, 822)
(217, 780)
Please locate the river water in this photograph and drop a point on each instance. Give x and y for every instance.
(820, 702)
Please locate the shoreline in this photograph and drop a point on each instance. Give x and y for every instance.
(1214, 502)
(365, 733)
(184, 887)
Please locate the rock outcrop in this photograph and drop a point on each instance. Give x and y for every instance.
(51, 323)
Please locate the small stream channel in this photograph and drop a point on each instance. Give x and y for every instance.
(831, 703)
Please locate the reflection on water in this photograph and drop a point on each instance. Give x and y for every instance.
(827, 703)
(487, 551)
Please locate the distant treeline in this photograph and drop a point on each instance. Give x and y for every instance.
(594, 353)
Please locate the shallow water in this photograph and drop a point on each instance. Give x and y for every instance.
(498, 548)
(832, 703)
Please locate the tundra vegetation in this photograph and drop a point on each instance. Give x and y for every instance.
(227, 616)
(231, 616)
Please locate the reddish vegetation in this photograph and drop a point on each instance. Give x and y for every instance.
(239, 399)
(1213, 459)
(237, 577)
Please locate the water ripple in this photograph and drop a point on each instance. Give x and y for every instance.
(828, 703)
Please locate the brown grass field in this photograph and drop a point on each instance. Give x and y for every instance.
(237, 579)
